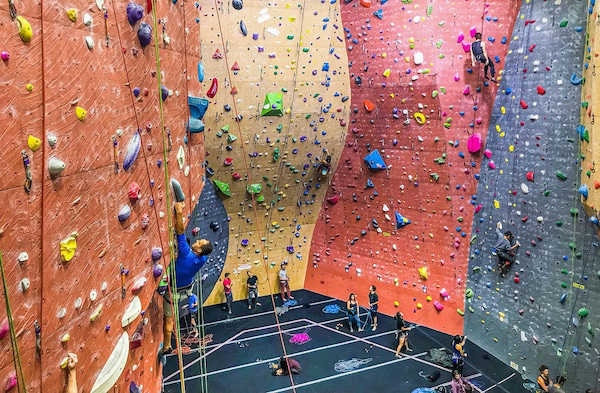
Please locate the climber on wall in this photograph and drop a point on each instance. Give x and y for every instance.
(324, 163)
(479, 54)
(190, 260)
(71, 373)
(506, 249)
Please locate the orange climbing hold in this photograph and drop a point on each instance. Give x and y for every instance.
(365, 3)
(369, 106)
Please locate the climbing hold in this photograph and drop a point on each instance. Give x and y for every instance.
(243, 28)
(55, 166)
(369, 105)
(583, 312)
(374, 161)
(144, 34)
(135, 12)
(541, 91)
(423, 274)
(68, 246)
(378, 14)
(124, 213)
(4, 55)
(80, 113)
(474, 143)
(177, 191)
(438, 306)
(419, 117)
(237, 4)
(72, 14)
(200, 72)
(25, 31)
(11, 381)
(164, 93)
(561, 175)
(529, 176)
(583, 190)
(223, 187)
(523, 104)
(198, 107)
(401, 221)
(132, 311)
(333, 199)
(273, 105)
(113, 367)
(576, 80)
(132, 151)
(418, 58)
(4, 328)
(134, 192)
(34, 143)
(365, 3)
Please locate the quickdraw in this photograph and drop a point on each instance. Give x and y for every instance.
(27, 165)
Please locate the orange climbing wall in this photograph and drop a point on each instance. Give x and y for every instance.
(342, 259)
(88, 194)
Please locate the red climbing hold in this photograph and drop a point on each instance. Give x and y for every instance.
(233, 91)
(365, 3)
(369, 106)
(524, 104)
(228, 161)
(333, 199)
(532, 47)
(524, 219)
(516, 280)
(596, 185)
(236, 176)
(541, 91)
(529, 21)
(217, 54)
(529, 176)
(134, 192)
(212, 91)
(235, 67)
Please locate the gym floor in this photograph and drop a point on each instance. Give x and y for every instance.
(333, 360)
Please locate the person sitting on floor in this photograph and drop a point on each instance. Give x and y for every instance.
(281, 368)
(459, 384)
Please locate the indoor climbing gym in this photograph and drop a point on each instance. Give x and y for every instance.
(299, 196)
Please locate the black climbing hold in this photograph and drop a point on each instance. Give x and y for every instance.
(227, 107)
(214, 226)
(237, 4)
(243, 28)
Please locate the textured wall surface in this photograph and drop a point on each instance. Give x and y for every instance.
(285, 51)
(525, 323)
(87, 196)
(431, 176)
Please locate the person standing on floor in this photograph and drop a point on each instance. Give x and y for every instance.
(227, 284)
(458, 353)
(401, 333)
(352, 309)
(252, 283)
(479, 54)
(373, 302)
(284, 284)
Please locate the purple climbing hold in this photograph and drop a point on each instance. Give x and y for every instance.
(144, 34)
(164, 92)
(124, 213)
(135, 12)
(133, 388)
(133, 149)
(157, 270)
(156, 253)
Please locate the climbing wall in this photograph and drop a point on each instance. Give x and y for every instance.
(82, 82)
(408, 67)
(296, 50)
(590, 148)
(539, 312)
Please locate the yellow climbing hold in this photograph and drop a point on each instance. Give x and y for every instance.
(498, 129)
(96, 313)
(496, 204)
(24, 29)
(503, 110)
(419, 306)
(428, 298)
(68, 246)
(81, 113)
(419, 117)
(65, 338)
(29, 87)
(34, 143)
(423, 273)
(460, 312)
(387, 72)
(396, 304)
(72, 14)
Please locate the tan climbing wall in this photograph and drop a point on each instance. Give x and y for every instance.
(287, 56)
(87, 196)
(590, 97)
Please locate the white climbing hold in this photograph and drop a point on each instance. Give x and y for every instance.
(540, 219)
(51, 138)
(96, 312)
(24, 284)
(78, 302)
(104, 286)
(93, 295)
(394, 247)
(524, 188)
(89, 41)
(55, 166)
(181, 157)
(132, 312)
(386, 208)
(418, 58)
(61, 313)
(186, 171)
(87, 19)
(114, 366)
(23, 257)
(100, 4)
(388, 218)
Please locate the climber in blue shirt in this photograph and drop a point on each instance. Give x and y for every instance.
(189, 259)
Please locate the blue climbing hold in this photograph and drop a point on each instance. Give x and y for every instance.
(583, 190)
(401, 221)
(378, 13)
(200, 72)
(370, 184)
(325, 67)
(198, 108)
(576, 79)
(374, 161)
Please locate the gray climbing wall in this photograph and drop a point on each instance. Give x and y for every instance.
(524, 323)
(209, 221)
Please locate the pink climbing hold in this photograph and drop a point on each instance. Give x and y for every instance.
(487, 153)
(333, 199)
(492, 164)
(460, 38)
(11, 381)
(438, 306)
(3, 328)
(466, 47)
(473, 31)
(456, 77)
(444, 293)
(474, 143)
(467, 90)
(478, 208)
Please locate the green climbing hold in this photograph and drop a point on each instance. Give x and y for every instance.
(260, 199)
(572, 245)
(434, 176)
(561, 175)
(559, 223)
(564, 271)
(471, 309)
(574, 211)
(469, 293)
(255, 188)
(564, 23)
(276, 154)
(563, 284)
(546, 193)
(290, 37)
(231, 138)
(223, 187)
(225, 128)
(583, 312)
(273, 105)
(279, 127)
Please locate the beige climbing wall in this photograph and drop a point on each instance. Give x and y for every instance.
(295, 43)
(87, 196)
(590, 96)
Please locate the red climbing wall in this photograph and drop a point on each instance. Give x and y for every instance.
(435, 196)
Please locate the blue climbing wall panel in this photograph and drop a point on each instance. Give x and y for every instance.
(210, 217)
(520, 318)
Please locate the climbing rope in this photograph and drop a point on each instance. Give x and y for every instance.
(172, 287)
(249, 181)
(21, 386)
